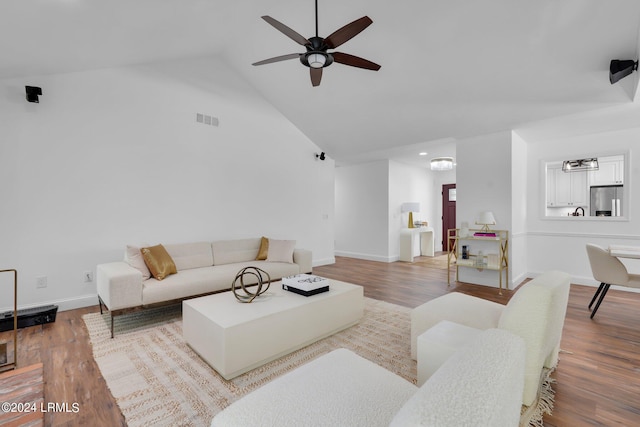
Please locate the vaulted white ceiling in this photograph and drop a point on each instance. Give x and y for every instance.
(451, 69)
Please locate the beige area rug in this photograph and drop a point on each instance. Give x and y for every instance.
(158, 380)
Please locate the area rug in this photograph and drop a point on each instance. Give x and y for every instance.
(532, 416)
(158, 380)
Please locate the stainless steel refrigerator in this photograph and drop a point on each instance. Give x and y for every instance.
(606, 200)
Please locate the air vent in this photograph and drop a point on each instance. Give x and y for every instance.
(207, 120)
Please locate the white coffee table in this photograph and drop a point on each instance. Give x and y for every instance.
(236, 337)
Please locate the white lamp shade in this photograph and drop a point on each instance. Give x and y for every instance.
(316, 60)
(486, 218)
(410, 207)
(442, 163)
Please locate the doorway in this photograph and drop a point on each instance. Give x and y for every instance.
(448, 212)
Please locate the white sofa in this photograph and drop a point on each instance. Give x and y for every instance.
(203, 268)
(535, 313)
(480, 385)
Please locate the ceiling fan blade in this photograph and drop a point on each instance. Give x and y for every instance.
(316, 76)
(354, 61)
(347, 32)
(286, 30)
(277, 59)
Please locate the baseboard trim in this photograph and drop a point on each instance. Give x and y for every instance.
(366, 257)
(324, 261)
(516, 281)
(588, 281)
(66, 303)
(90, 300)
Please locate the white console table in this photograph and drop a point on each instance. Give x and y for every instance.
(408, 238)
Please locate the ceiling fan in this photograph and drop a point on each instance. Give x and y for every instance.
(316, 57)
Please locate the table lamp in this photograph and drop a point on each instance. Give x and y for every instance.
(486, 219)
(410, 207)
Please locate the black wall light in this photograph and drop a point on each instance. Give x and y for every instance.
(619, 69)
(32, 93)
(320, 156)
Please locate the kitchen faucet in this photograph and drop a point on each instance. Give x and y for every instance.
(575, 213)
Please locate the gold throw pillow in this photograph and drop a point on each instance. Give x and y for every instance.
(159, 261)
(264, 249)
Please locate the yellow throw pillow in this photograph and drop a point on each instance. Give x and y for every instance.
(159, 261)
(264, 249)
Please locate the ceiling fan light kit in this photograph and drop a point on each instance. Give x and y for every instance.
(317, 56)
(316, 60)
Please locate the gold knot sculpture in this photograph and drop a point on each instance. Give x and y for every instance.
(259, 275)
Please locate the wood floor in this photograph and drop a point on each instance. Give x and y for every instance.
(598, 377)
(19, 387)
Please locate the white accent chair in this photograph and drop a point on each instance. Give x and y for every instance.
(535, 312)
(608, 270)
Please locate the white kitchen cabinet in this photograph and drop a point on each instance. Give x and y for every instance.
(610, 171)
(570, 188)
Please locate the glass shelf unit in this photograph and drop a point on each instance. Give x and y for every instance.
(479, 259)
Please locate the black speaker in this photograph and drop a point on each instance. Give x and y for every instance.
(619, 69)
(29, 317)
(32, 93)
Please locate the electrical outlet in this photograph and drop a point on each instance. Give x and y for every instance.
(41, 282)
(88, 276)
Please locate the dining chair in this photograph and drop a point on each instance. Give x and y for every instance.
(608, 270)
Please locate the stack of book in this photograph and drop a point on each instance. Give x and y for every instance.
(305, 284)
(485, 234)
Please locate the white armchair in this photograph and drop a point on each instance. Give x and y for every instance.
(535, 312)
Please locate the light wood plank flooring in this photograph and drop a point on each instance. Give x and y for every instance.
(598, 378)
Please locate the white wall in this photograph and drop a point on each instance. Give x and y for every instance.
(484, 183)
(505, 174)
(368, 200)
(362, 211)
(559, 243)
(408, 184)
(520, 200)
(115, 156)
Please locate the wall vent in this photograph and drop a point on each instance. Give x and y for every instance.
(207, 120)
